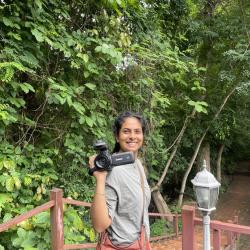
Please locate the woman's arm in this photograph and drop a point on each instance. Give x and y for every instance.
(99, 210)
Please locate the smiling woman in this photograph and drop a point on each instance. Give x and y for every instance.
(129, 132)
(120, 207)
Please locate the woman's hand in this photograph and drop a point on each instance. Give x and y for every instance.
(92, 160)
(98, 174)
(99, 210)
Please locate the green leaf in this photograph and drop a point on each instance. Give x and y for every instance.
(38, 35)
(27, 180)
(18, 102)
(78, 107)
(26, 87)
(42, 218)
(85, 58)
(25, 239)
(15, 36)
(89, 121)
(38, 3)
(199, 106)
(10, 183)
(8, 22)
(17, 182)
(30, 59)
(9, 164)
(86, 74)
(82, 120)
(5, 198)
(7, 217)
(92, 234)
(90, 86)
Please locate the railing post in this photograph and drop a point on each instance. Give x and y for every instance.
(236, 221)
(230, 235)
(176, 222)
(216, 239)
(56, 220)
(188, 234)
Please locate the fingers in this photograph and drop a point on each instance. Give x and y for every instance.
(91, 161)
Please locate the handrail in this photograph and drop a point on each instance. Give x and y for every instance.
(76, 202)
(232, 230)
(12, 222)
(230, 227)
(86, 204)
(80, 246)
(56, 214)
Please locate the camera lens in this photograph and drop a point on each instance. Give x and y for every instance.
(103, 161)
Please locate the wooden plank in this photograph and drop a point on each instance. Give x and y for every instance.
(231, 227)
(80, 246)
(77, 203)
(5, 226)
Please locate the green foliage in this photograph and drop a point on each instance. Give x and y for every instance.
(160, 227)
(199, 106)
(66, 70)
(35, 232)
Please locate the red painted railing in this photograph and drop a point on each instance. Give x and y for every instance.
(189, 221)
(56, 220)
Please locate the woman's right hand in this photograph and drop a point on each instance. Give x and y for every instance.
(98, 174)
(99, 210)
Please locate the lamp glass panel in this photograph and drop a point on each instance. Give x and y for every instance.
(214, 192)
(202, 196)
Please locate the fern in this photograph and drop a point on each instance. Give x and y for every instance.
(30, 59)
(8, 74)
(8, 70)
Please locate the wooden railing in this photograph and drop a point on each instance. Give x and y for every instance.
(56, 220)
(189, 221)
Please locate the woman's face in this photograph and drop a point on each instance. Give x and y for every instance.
(130, 136)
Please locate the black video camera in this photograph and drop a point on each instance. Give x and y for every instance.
(104, 161)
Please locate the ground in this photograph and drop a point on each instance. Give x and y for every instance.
(234, 202)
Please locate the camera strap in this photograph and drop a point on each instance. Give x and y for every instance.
(144, 234)
(143, 190)
(92, 170)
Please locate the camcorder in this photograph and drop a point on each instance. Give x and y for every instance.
(105, 161)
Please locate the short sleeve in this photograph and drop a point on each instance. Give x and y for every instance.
(111, 200)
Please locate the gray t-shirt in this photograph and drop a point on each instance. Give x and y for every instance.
(125, 203)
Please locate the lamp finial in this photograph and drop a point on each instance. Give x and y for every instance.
(204, 166)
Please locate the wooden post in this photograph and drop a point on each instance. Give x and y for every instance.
(236, 221)
(230, 235)
(56, 220)
(188, 234)
(175, 222)
(216, 239)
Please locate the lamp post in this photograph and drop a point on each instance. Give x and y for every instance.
(206, 189)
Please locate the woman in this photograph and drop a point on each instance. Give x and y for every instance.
(119, 198)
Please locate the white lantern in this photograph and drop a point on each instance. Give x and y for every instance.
(206, 189)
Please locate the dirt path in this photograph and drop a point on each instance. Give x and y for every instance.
(235, 202)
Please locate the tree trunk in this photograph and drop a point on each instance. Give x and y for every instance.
(161, 205)
(184, 180)
(218, 162)
(172, 155)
